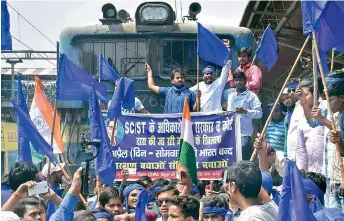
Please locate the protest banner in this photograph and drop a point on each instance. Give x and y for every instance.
(150, 143)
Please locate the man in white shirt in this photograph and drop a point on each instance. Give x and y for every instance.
(212, 89)
(243, 184)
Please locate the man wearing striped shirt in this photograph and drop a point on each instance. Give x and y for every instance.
(275, 132)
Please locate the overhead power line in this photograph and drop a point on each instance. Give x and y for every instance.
(32, 50)
(32, 25)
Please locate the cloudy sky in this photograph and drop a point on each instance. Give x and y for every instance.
(51, 17)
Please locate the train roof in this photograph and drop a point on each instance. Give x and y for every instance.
(131, 28)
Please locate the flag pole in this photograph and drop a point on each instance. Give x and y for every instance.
(332, 59)
(201, 210)
(98, 186)
(198, 100)
(315, 77)
(254, 59)
(113, 131)
(280, 94)
(328, 103)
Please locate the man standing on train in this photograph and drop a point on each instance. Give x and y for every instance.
(174, 95)
(212, 89)
(253, 73)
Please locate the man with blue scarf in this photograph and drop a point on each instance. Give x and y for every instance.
(174, 96)
(130, 194)
(215, 209)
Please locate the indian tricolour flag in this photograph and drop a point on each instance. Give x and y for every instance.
(42, 115)
(186, 154)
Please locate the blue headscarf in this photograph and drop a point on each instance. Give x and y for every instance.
(317, 194)
(128, 190)
(100, 213)
(209, 70)
(215, 210)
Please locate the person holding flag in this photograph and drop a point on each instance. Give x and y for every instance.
(212, 89)
(174, 95)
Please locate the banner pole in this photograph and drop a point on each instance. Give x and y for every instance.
(198, 100)
(113, 131)
(201, 208)
(280, 94)
(328, 104)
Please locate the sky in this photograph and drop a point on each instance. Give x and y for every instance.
(51, 17)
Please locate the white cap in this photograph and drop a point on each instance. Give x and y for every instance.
(9, 216)
(52, 168)
(285, 91)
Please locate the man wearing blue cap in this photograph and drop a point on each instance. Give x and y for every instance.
(212, 89)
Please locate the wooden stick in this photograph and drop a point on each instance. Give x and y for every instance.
(280, 94)
(315, 78)
(70, 179)
(52, 140)
(98, 186)
(198, 100)
(332, 59)
(254, 59)
(201, 208)
(113, 131)
(328, 103)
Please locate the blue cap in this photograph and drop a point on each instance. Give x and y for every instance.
(210, 70)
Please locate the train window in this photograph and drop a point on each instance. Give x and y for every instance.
(181, 54)
(127, 57)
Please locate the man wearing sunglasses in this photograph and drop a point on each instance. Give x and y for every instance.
(163, 198)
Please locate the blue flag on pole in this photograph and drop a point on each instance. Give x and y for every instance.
(106, 72)
(38, 142)
(73, 83)
(311, 13)
(340, 48)
(24, 151)
(330, 32)
(6, 39)
(140, 212)
(210, 47)
(267, 49)
(105, 164)
(323, 58)
(124, 96)
(293, 204)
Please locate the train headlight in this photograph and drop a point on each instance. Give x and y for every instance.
(109, 11)
(154, 13)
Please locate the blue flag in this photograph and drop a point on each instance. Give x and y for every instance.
(104, 163)
(330, 32)
(106, 72)
(124, 96)
(35, 138)
(267, 49)
(293, 204)
(24, 151)
(210, 47)
(340, 48)
(6, 39)
(311, 13)
(323, 58)
(140, 212)
(73, 83)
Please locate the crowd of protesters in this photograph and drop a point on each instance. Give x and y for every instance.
(300, 133)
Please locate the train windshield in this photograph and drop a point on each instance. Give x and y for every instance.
(127, 56)
(181, 54)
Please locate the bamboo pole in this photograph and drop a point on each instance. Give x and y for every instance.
(113, 131)
(328, 104)
(254, 59)
(332, 59)
(315, 77)
(201, 210)
(198, 100)
(98, 186)
(279, 95)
